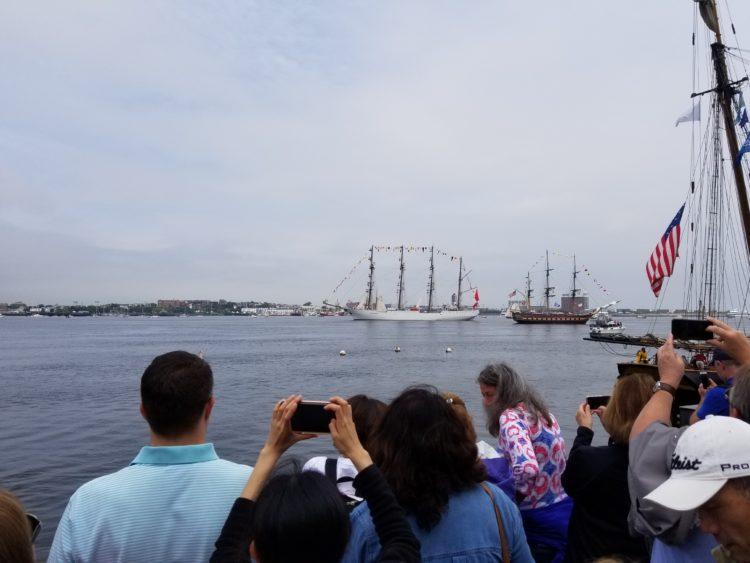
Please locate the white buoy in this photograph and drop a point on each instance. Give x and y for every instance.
(342, 353)
(397, 349)
(448, 350)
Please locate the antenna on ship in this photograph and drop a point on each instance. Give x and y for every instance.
(400, 305)
(370, 283)
(431, 283)
(547, 289)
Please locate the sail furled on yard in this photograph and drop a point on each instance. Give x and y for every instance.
(708, 13)
(660, 264)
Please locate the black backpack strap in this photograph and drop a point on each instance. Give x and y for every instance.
(331, 464)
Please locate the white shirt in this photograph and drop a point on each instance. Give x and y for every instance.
(344, 468)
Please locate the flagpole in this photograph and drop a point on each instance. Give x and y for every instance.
(725, 91)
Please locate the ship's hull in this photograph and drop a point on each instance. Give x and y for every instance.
(368, 315)
(529, 317)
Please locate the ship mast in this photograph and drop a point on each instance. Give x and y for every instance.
(370, 282)
(547, 289)
(528, 290)
(460, 279)
(400, 305)
(725, 91)
(574, 290)
(431, 283)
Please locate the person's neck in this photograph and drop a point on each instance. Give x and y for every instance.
(193, 438)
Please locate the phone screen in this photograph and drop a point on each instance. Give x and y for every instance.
(691, 329)
(311, 417)
(596, 401)
(703, 378)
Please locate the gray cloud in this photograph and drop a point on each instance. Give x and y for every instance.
(255, 150)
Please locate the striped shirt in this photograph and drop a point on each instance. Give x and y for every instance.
(169, 504)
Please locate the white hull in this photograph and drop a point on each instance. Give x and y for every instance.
(368, 315)
(607, 330)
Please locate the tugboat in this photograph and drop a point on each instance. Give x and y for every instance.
(567, 315)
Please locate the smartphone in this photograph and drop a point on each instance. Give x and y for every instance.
(691, 329)
(596, 401)
(310, 417)
(703, 379)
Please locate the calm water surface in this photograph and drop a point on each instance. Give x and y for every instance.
(70, 399)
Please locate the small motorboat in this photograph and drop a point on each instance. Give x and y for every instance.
(603, 323)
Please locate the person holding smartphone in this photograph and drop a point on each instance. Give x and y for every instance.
(714, 397)
(301, 516)
(596, 477)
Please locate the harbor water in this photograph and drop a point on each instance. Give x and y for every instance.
(71, 385)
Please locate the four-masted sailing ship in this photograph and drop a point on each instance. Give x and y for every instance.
(571, 313)
(373, 308)
(714, 218)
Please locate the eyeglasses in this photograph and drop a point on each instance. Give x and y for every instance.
(36, 526)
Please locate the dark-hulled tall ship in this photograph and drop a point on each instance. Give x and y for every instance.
(572, 312)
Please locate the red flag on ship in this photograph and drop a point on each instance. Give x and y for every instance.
(476, 298)
(660, 264)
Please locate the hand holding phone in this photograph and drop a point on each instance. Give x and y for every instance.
(703, 379)
(312, 417)
(596, 401)
(691, 329)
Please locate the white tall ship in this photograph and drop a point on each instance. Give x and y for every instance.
(373, 309)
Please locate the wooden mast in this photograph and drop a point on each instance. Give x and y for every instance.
(547, 289)
(431, 284)
(725, 91)
(400, 305)
(460, 279)
(370, 284)
(528, 291)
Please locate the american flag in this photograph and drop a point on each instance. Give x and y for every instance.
(661, 263)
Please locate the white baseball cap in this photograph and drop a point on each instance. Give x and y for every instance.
(708, 454)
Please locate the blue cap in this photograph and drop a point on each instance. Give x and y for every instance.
(721, 356)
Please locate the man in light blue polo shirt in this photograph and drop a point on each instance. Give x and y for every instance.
(170, 503)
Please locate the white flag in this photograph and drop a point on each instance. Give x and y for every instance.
(693, 114)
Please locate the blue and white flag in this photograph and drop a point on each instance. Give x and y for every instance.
(741, 109)
(743, 149)
(693, 114)
(742, 117)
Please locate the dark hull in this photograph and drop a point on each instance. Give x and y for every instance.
(522, 317)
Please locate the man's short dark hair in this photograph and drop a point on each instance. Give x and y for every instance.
(174, 391)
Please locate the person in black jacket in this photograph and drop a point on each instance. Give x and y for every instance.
(596, 477)
(302, 517)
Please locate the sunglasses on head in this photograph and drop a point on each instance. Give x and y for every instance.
(36, 526)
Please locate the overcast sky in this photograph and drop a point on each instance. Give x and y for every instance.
(254, 150)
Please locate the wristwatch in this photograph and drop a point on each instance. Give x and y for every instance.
(661, 386)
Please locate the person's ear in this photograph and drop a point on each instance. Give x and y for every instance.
(143, 412)
(735, 413)
(253, 552)
(209, 407)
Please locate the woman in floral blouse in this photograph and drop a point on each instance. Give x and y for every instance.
(530, 437)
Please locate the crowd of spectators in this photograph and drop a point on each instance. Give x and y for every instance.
(412, 483)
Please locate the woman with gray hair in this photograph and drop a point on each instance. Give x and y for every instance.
(530, 438)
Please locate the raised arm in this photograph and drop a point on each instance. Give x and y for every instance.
(397, 541)
(659, 407)
(237, 533)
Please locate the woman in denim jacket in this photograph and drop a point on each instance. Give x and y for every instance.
(427, 457)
